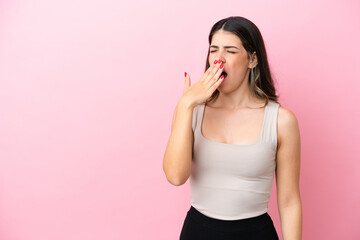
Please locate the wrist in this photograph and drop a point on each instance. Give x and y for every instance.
(186, 103)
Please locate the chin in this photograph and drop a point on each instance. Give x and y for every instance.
(222, 88)
(227, 87)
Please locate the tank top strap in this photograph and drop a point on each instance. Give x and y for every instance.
(269, 131)
(196, 118)
(270, 122)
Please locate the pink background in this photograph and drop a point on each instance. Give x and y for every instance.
(87, 93)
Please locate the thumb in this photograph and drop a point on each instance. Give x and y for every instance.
(187, 81)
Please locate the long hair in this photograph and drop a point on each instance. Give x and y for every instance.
(260, 79)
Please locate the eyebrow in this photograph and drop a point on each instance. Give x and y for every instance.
(214, 46)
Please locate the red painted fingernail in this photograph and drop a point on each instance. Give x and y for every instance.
(185, 74)
(219, 61)
(221, 66)
(215, 61)
(222, 76)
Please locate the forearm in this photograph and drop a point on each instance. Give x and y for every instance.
(291, 221)
(178, 154)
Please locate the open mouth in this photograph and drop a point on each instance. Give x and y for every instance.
(224, 74)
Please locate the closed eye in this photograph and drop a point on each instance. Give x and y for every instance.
(228, 51)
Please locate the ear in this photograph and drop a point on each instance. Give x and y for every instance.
(253, 60)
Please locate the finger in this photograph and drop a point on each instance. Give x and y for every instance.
(212, 72)
(187, 81)
(215, 73)
(207, 72)
(216, 84)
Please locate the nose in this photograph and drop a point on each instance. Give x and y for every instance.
(222, 59)
(221, 56)
(217, 58)
(218, 55)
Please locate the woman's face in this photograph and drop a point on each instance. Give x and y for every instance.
(228, 47)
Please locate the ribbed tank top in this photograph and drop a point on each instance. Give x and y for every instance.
(232, 181)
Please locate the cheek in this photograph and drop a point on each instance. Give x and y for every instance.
(241, 66)
(239, 71)
(242, 62)
(211, 60)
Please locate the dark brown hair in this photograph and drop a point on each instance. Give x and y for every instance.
(262, 84)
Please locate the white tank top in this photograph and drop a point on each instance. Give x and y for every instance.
(231, 181)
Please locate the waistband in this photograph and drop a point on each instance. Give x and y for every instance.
(247, 224)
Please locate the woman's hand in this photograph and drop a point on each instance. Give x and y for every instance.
(205, 87)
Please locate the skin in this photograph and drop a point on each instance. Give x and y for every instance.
(237, 104)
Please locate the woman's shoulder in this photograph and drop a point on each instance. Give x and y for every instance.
(286, 116)
(287, 123)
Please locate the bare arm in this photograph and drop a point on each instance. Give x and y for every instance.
(177, 160)
(287, 176)
(178, 154)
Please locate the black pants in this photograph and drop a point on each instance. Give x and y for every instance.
(197, 226)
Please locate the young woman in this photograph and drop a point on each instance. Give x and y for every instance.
(230, 134)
